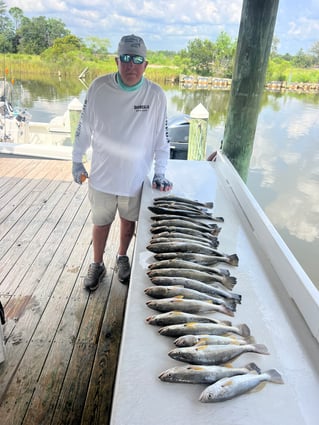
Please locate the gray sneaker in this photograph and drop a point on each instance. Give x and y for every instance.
(95, 274)
(123, 269)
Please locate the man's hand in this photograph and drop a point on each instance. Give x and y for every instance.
(161, 183)
(79, 172)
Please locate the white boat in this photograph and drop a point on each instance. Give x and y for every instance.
(21, 136)
(279, 303)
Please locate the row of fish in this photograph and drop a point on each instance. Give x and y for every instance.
(187, 287)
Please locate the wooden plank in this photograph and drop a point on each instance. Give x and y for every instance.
(12, 171)
(61, 320)
(18, 188)
(97, 409)
(61, 341)
(43, 247)
(38, 285)
(20, 235)
(25, 324)
(74, 394)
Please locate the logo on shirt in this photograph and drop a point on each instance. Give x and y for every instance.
(141, 108)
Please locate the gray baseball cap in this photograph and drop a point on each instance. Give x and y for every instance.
(132, 45)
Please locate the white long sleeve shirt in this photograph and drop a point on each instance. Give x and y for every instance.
(127, 131)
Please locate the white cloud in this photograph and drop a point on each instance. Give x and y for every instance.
(299, 190)
(169, 25)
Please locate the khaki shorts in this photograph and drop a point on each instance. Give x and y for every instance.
(104, 207)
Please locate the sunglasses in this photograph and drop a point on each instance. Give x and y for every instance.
(136, 59)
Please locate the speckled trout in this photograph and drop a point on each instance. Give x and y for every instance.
(174, 198)
(206, 260)
(188, 306)
(227, 281)
(197, 328)
(179, 317)
(214, 354)
(197, 285)
(176, 263)
(207, 339)
(158, 291)
(228, 388)
(199, 374)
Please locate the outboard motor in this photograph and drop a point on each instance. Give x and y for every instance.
(178, 135)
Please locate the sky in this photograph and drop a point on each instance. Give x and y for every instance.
(171, 24)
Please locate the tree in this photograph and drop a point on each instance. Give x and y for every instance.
(200, 55)
(38, 34)
(205, 57)
(17, 15)
(315, 51)
(66, 50)
(98, 46)
(223, 57)
(302, 59)
(6, 30)
(274, 47)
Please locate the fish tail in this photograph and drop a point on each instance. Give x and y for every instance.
(224, 309)
(231, 304)
(253, 366)
(260, 349)
(216, 231)
(233, 259)
(218, 219)
(224, 272)
(227, 281)
(237, 298)
(274, 376)
(244, 330)
(209, 204)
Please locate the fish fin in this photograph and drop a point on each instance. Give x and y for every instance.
(195, 367)
(237, 341)
(253, 366)
(275, 376)
(244, 330)
(250, 339)
(260, 348)
(258, 388)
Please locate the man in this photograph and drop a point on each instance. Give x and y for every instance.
(124, 121)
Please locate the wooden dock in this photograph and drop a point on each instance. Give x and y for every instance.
(62, 343)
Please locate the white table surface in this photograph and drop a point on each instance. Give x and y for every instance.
(141, 398)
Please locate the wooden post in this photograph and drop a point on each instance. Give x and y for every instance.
(256, 30)
(198, 133)
(75, 108)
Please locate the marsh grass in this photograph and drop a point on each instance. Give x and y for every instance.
(21, 66)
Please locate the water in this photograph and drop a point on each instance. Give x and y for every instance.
(284, 168)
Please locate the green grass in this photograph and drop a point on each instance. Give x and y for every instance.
(20, 65)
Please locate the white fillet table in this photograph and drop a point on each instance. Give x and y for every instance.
(279, 304)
